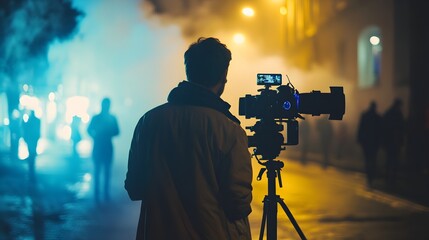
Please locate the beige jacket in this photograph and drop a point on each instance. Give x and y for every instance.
(191, 168)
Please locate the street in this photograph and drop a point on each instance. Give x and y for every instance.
(327, 204)
(67, 64)
(333, 204)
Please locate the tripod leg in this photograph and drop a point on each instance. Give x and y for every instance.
(291, 218)
(271, 218)
(264, 219)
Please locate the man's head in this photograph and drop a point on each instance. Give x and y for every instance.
(373, 106)
(105, 105)
(207, 62)
(397, 103)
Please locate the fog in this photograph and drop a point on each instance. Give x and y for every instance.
(133, 53)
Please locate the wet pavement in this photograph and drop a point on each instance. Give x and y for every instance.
(410, 185)
(59, 203)
(42, 208)
(327, 203)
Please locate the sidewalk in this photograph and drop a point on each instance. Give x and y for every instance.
(410, 186)
(44, 208)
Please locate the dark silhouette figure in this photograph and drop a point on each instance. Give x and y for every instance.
(393, 124)
(369, 138)
(188, 162)
(31, 134)
(76, 136)
(325, 130)
(102, 128)
(304, 140)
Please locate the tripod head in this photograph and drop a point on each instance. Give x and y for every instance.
(274, 167)
(268, 139)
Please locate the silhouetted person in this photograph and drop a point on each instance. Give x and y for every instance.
(188, 161)
(76, 136)
(369, 138)
(31, 134)
(393, 137)
(102, 128)
(325, 130)
(304, 140)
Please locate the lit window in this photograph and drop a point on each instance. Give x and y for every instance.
(369, 57)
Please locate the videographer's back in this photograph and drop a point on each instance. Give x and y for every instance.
(188, 162)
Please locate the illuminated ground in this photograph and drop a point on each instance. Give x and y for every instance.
(327, 203)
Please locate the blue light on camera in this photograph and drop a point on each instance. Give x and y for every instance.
(297, 99)
(287, 105)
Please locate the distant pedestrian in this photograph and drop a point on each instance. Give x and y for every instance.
(76, 136)
(325, 130)
(102, 128)
(31, 134)
(369, 136)
(393, 138)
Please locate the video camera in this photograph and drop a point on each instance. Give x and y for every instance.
(284, 105)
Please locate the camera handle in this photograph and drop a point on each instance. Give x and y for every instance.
(269, 214)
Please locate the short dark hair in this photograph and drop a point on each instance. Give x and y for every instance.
(206, 61)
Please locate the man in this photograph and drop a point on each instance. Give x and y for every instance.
(188, 160)
(102, 128)
(31, 134)
(369, 137)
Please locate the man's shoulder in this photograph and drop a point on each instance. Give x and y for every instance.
(96, 116)
(152, 112)
(155, 110)
(198, 112)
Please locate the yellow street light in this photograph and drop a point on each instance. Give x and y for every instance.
(239, 38)
(374, 40)
(283, 10)
(248, 12)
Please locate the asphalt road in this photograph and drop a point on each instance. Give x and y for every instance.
(326, 203)
(334, 204)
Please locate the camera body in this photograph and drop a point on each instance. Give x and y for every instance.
(287, 103)
(273, 108)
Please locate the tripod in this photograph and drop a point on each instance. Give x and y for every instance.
(269, 214)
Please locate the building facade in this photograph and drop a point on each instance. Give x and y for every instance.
(370, 47)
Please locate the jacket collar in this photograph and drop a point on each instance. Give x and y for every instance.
(187, 93)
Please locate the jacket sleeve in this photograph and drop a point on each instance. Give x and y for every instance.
(136, 176)
(237, 187)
